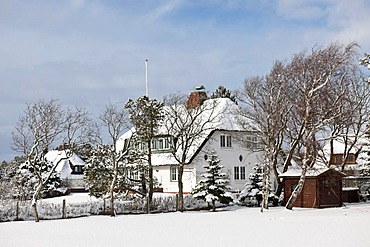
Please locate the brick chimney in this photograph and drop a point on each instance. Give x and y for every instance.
(196, 99)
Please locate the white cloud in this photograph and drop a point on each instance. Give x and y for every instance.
(77, 4)
(303, 9)
(164, 9)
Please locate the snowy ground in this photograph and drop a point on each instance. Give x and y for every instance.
(232, 226)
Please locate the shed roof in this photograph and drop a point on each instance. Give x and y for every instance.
(311, 172)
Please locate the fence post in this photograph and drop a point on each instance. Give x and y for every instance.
(64, 215)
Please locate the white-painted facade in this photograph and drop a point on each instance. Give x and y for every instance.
(227, 140)
(238, 162)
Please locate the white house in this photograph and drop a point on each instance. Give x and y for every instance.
(70, 169)
(223, 138)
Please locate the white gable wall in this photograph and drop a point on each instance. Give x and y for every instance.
(229, 156)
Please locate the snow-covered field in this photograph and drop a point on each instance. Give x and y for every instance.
(232, 226)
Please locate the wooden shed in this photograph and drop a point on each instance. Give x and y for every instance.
(322, 188)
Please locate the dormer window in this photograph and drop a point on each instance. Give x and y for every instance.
(77, 169)
(338, 159)
(161, 143)
(252, 142)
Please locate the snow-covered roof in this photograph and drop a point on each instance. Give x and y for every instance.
(315, 171)
(64, 166)
(225, 116)
(339, 147)
(121, 140)
(309, 173)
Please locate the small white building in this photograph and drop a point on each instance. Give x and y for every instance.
(70, 169)
(227, 139)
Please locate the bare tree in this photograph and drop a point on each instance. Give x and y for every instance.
(294, 105)
(187, 126)
(42, 125)
(115, 120)
(316, 81)
(267, 112)
(349, 126)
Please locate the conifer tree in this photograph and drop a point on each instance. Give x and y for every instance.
(251, 195)
(222, 92)
(214, 187)
(145, 115)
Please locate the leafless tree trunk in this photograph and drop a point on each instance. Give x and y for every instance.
(266, 179)
(266, 112)
(115, 121)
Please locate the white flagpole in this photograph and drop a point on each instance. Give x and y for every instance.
(146, 78)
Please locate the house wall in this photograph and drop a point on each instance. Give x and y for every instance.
(234, 156)
(163, 174)
(230, 157)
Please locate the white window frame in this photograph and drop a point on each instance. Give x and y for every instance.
(228, 141)
(225, 141)
(236, 173)
(252, 142)
(133, 173)
(161, 143)
(239, 173)
(242, 173)
(167, 143)
(174, 173)
(222, 141)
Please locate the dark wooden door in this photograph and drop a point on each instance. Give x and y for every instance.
(329, 192)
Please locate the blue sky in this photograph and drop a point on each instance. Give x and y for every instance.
(92, 52)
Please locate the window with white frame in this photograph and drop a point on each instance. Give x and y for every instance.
(239, 172)
(167, 143)
(252, 142)
(242, 173)
(132, 173)
(225, 141)
(174, 173)
(141, 146)
(236, 173)
(161, 143)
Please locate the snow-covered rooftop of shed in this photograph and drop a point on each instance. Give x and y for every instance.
(311, 172)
